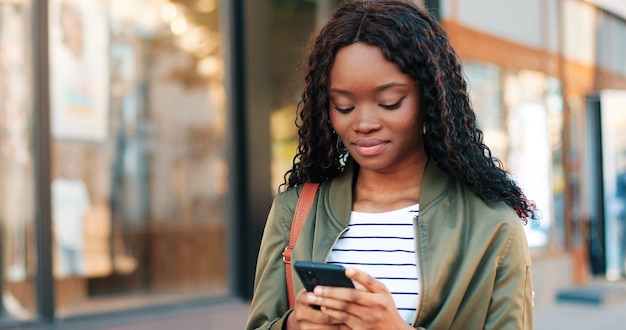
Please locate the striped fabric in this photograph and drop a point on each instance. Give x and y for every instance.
(382, 245)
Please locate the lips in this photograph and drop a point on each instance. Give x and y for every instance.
(369, 147)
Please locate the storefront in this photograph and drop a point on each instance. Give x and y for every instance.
(122, 200)
(141, 142)
(531, 88)
(135, 150)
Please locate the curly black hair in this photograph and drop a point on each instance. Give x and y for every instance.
(411, 38)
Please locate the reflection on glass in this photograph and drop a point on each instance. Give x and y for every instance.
(530, 156)
(554, 104)
(139, 193)
(17, 209)
(292, 24)
(613, 123)
(486, 94)
(70, 204)
(521, 115)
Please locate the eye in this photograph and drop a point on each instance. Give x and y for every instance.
(344, 110)
(340, 102)
(392, 106)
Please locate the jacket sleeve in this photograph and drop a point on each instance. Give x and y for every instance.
(514, 275)
(270, 307)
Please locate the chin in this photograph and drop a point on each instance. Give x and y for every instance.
(371, 164)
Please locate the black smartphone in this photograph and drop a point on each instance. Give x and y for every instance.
(318, 273)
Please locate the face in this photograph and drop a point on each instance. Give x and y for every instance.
(375, 109)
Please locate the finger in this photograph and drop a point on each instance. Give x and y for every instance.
(350, 317)
(338, 314)
(309, 311)
(336, 297)
(365, 280)
(301, 298)
(304, 312)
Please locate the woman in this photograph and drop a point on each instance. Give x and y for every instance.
(411, 201)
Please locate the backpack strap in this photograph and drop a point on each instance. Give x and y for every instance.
(307, 195)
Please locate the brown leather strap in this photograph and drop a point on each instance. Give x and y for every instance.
(299, 217)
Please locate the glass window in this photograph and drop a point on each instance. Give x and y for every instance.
(486, 93)
(521, 115)
(17, 194)
(553, 99)
(292, 24)
(139, 171)
(613, 124)
(534, 122)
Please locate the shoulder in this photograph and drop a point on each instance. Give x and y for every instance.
(288, 196)
(496, 214)
(445, 191)
(285, 202)
(499, 224)
(485, 220)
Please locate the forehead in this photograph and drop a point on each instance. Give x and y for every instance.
(363, 63)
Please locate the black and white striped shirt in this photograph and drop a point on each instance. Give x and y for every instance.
(383, 245)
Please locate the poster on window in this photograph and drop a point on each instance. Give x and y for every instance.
(79, 70)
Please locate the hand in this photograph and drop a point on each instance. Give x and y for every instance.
(370, 306)
(305, 316)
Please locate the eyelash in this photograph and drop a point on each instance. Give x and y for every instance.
(392, 106)
(384, 106)
(344, 110)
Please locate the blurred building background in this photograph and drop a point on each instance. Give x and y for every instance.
(142, 141)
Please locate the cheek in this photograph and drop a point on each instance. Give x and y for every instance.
(409, 119)
(411, 127)
(336, 121)
(416, 117)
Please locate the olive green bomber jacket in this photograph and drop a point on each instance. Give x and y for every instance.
(474, 262)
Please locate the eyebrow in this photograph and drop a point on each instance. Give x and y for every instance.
(377, 89)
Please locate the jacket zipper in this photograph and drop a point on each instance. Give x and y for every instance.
(335, 242)
(419, 269)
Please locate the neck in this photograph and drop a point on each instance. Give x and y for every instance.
(380, 192)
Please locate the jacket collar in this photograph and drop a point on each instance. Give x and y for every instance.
(340, 194)
(339, 200)
(435, 183)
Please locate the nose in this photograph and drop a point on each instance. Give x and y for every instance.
(366, 119)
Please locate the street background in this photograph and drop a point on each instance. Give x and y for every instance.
(569, 316)
(609, 313)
